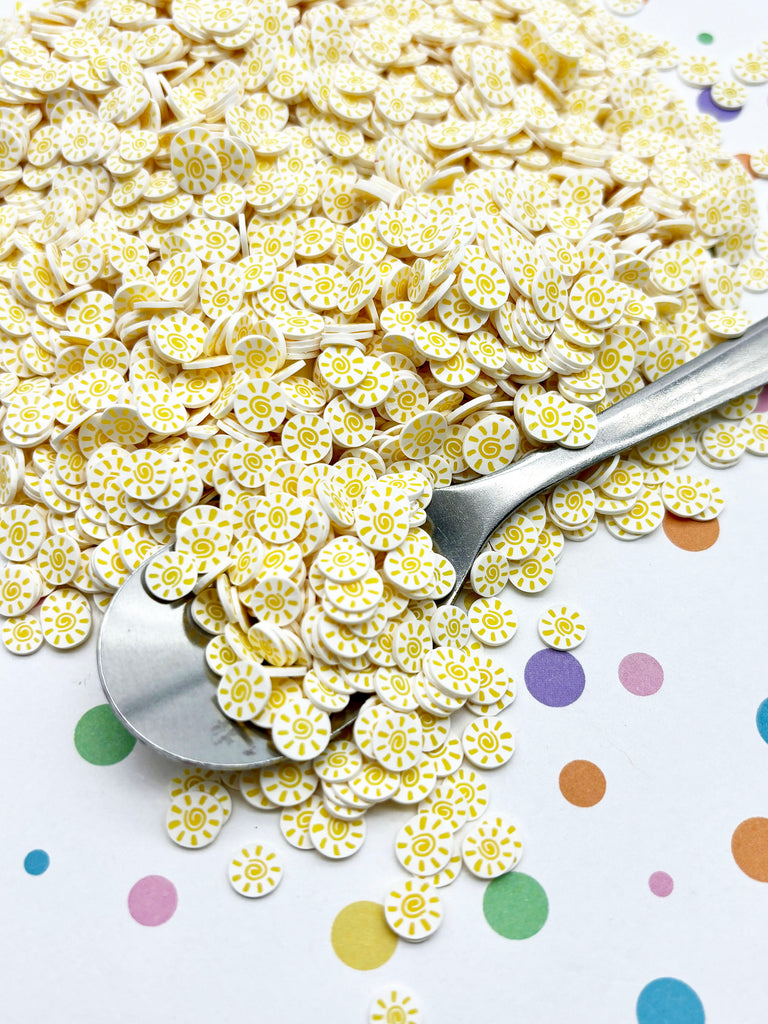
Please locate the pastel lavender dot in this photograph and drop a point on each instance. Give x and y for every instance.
(660, 883)
(641, 674)
(554, 678)
(707, 105)
(762, 401)
(152, 900)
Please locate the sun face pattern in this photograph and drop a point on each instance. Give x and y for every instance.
(562, 628)
(492, 848)
(414, 911)
(255, 871)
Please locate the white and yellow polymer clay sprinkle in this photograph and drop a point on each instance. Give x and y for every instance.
(562, 628)
(487, 742)
(394, 1004)
(423, 845)
(194, 819)
(491, 848)
(336, 839)
(413, 910)
(243, 690)
(255, 871)
(21, 634)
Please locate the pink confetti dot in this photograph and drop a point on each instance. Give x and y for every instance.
(152, 900)
(660, 883)
(640, 674)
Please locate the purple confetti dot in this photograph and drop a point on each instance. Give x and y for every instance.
(152, 900)
(660, 883)
(554, 678)
(707, 105)
(640, 674)
(762, 401)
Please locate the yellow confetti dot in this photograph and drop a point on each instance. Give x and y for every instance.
(360, 936)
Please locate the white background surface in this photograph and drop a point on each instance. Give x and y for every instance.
(684, 767)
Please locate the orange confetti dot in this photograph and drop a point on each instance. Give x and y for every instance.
(582, 783)
(689, 534)
(749, 846)
(746, 162)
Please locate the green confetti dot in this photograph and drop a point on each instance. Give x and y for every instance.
(705, 38)
(100, 738)
(515, 905)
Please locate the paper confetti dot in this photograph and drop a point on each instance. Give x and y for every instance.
(640, 674)
(100, 738)
(360, 936)
(669, 1001)
(762, 401)
(762, 720)
(152, 900)
(660, 883)
(36, 862)
(689, 534)
(746, 163)
(749, 846)
(515, 905)
(582, 783)
(705, 38)
(554, 678)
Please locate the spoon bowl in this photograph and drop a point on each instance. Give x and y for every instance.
(151, 662)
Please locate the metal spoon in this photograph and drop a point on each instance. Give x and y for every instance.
(150, 654)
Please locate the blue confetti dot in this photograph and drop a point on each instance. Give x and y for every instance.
(669, 1001)
(36, 862)
(762, 720)
(554, 678)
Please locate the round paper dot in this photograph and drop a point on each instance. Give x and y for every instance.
(36, 862)
(660, 883)
(554, 678)
(361, 937)
(582, 783)
(100, 738)
(762, 720)
(669, 1001)
(152, 900)
(749, 846)
(640, 674)
(705, 38)
(689, 534)
(515, 905)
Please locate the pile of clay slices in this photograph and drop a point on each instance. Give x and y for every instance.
(269, 274)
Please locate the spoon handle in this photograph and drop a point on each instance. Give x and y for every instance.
(718, 375)
(724, 372)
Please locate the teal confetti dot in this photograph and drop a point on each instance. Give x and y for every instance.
(36, 862)
(100, 738)
(705, 38)
(669, 1001)
(762, 720)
